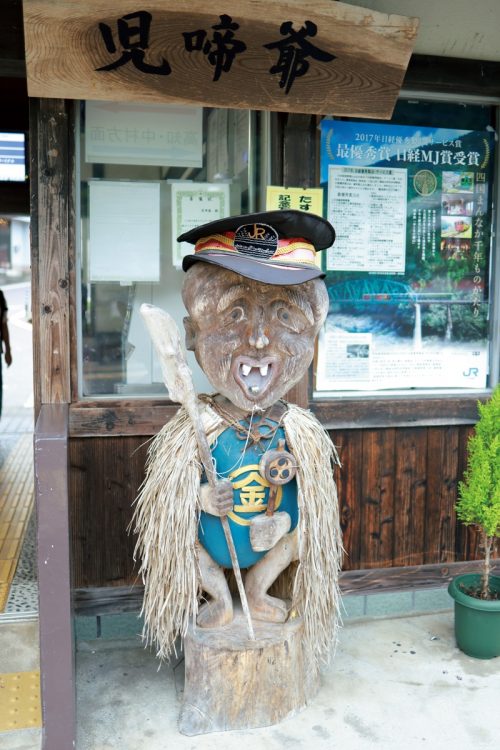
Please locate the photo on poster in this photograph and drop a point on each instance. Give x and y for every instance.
(456, 226)
(458, 182)
(457, 204)
(411, 206)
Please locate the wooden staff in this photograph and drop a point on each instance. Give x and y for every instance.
(179, 381)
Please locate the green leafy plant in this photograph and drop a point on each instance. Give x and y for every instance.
(479, 493)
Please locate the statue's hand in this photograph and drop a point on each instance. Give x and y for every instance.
(217, 500)
(266, 531)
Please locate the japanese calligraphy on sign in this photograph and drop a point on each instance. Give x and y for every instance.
(301, 199)
(134, 41)
(288, 56)
(220, 50)
(407, 276)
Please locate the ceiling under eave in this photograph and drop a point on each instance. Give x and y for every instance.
(449, 28)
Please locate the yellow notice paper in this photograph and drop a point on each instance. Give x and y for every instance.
(303, 199)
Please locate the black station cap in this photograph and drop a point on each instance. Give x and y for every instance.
(275, 247)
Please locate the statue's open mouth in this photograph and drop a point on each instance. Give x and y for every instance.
(254, 376)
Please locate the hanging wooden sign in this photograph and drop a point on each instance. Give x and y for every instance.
(323, 57)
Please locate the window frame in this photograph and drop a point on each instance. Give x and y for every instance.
(112, 416)
(443, 406)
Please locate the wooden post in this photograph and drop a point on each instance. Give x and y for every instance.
(299, 148)
(235, 683)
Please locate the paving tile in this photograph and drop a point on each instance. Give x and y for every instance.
(19, 651)
(85, 628)
(126, 625)
(380, 605)
(23, 739)
(432, 600)
(20, 706)
(353, 606)
(5, 568)
(16, 489)
(9, 548)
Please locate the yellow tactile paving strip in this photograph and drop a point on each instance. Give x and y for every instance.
(20, 706)
(16, 502)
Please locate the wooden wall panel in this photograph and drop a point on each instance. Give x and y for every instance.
(377, 499)
(442, 478)
(105, 474)
(397, 491)
(410, 496)
(349, 444)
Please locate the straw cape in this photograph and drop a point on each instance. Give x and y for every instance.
(166, 522)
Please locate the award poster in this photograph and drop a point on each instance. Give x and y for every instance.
(407, 276)
(193, 204)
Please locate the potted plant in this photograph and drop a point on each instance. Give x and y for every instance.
(477, 595)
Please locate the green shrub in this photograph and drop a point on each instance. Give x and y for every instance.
(479, 493)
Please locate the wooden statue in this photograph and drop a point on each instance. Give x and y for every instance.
(239, 486)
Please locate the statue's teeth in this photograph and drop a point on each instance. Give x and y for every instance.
(263, 370)
(245, 369)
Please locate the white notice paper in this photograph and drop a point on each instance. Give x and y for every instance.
(194, 204)
(367, 207)
(146, 134)
(350, 361)
(124, 231)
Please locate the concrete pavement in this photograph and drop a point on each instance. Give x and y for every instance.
(397, 684)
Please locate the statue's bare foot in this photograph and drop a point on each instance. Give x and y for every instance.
(215, 613)
(268, 608)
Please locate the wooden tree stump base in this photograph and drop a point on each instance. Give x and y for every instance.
(234, 683)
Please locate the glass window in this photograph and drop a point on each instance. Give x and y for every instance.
(148, 173)
(409, 274)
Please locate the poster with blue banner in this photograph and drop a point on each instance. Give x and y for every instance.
(407, 276)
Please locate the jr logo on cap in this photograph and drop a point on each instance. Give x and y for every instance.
(257, 240)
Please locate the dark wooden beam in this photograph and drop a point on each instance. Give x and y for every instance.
(119, 599)
(119, 418)
(348, 412)
(15, 198)
(413, 577)
(299, 162)
(11, 35)
(93, 418)
(51, 325)
(453, 75)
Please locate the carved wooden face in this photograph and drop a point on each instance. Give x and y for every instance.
(253, 341)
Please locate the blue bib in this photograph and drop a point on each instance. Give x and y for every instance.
(251, 492)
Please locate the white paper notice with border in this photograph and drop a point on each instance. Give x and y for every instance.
(194, 204)
(350, 361)
(153, 134)
(367, 207)
(124, 231)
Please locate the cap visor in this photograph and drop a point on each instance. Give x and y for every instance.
(268, 273)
